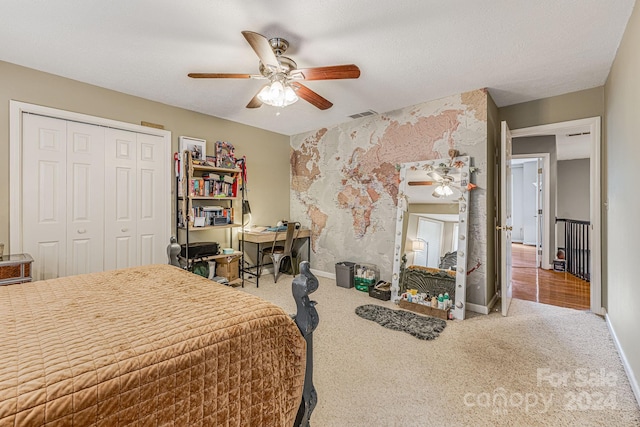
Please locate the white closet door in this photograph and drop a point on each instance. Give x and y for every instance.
(120, 199)
(44, 192)
(85, 198)
(152, 200)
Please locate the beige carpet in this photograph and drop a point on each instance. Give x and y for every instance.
(541, 366)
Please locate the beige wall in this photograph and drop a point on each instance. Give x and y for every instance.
(573, 189)
(562, 108)
(622, 127)
(267, 152)
(573, 195)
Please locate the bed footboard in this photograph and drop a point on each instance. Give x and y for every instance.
(433, 281)
(307, 320)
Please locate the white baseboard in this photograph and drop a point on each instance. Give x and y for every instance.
(477, 308)
(625, 362)
(323, 274)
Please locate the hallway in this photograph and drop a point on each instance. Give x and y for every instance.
(545, 286)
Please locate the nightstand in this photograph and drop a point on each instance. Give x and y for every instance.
(15, 269)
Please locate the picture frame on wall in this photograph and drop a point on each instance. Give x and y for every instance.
(197, 147)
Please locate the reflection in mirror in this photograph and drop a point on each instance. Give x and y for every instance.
(431, 233)
(432, 226)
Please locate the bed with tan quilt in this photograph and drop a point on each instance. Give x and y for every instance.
(151, 345)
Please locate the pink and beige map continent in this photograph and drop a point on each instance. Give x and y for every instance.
(368, 172)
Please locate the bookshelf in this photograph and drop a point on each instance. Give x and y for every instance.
(209, 199)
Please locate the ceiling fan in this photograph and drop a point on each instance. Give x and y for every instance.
(284, 87)
(441, 177)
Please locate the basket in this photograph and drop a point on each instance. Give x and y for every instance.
(381, 291)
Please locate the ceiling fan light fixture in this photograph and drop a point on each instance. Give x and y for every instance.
(442, 190)
(278, 93)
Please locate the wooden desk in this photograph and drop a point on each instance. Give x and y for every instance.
(261, 237)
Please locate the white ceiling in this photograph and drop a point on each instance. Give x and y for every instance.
(408, 52)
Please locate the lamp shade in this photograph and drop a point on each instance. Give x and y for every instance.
(417, 245)
(278, 93)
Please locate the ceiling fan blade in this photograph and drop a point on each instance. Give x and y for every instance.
(219, 76)
(435, 175)
(310, 96)
(332, 72)
(255, 102)
(422, 182)
(262, 48)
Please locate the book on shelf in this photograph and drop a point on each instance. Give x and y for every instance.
(211, 188)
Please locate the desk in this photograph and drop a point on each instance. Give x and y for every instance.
(260, 237)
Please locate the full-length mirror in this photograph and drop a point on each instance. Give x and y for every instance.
(430, 251)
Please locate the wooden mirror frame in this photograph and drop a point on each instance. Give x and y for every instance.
(462, 164)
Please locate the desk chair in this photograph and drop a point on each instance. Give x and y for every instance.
(279, 252)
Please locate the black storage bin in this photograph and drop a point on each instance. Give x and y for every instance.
(344, 274)
(199, 249)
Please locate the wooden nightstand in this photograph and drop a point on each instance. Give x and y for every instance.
(15, 269)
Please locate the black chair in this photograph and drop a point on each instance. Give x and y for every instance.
(279, 252)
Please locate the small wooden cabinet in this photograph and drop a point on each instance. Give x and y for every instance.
(15, 269)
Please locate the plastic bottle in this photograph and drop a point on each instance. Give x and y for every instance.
(447, 301)
(434, 302)
(441, 302)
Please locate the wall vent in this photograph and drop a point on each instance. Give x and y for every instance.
(579, 134)
(363, 114)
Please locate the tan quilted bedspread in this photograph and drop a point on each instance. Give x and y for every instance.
(150, 345)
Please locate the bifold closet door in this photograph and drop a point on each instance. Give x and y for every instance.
(62, 196)
(152, 200)
(135, 202)
(85, 198)
(120, 194)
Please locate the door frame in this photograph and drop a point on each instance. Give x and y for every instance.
(546, 224)
(16, 110)
(595, 191)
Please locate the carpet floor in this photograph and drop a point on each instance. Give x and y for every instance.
(541, 366)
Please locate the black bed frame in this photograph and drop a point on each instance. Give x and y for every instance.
(307, 320)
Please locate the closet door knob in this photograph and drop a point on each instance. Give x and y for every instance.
(82, 231)
(124, 230)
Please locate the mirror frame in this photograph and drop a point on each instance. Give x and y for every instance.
(463, 164)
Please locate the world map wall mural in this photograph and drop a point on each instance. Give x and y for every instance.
(344, 179)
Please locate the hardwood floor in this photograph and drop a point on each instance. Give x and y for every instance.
(545, 286)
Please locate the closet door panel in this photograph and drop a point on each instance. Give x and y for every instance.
(85, 198)
(153, 229)
(120, 199)
(44, 191)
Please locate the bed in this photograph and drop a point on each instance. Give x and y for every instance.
(152, 345)
(430, 280)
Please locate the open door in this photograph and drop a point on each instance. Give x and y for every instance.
(505, 218)
(539, 214)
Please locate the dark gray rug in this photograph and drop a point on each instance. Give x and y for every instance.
(422, 327)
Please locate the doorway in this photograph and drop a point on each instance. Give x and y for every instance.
(590, 127)
(531, 204)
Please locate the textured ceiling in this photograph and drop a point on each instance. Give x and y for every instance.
(409, 51)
